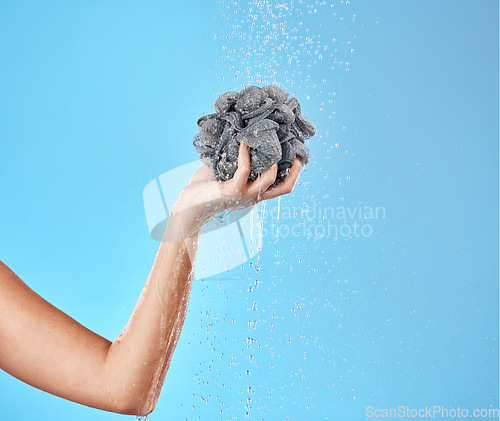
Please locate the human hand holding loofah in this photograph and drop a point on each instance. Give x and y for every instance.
(262, 118)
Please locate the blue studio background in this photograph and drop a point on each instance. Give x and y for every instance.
(99, 98)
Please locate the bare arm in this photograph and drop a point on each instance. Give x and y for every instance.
(46, 348)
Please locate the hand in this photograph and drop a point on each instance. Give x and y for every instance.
(204, 196)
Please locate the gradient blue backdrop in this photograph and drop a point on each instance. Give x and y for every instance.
(98, 98)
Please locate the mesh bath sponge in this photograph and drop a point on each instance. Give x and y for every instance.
(266, 120)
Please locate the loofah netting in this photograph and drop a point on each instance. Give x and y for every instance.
(262, 118)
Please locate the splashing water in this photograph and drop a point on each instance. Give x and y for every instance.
(304, 47)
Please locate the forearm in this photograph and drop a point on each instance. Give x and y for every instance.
(139, 358)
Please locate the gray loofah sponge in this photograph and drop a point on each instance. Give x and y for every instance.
(262, 118)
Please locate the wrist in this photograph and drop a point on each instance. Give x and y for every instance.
(182, 223)
(196, 204)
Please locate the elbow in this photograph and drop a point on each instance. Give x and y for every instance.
(136, 402)
(144, 411)
(138, 409)
(132, 385)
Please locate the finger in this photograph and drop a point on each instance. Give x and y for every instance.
(263, 181)
(244, 166)
(287, 185)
